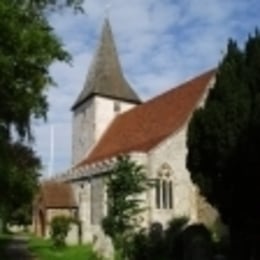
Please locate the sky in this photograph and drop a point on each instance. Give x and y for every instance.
(160, 43)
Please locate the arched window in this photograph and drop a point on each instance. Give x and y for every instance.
(164, 194)
(170, 195)
(164, 188)
(158, 193)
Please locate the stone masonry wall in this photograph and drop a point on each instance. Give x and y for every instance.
(97, 200)
(90, 120)
(83, 128)
(106, 109)
(172, 152)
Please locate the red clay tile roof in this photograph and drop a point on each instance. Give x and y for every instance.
(57, 195)
(143, 127)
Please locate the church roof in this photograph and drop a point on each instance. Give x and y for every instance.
(105, 76)
(146, 125)
(57, 195)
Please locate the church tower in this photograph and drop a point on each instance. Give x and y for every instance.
(105, 94)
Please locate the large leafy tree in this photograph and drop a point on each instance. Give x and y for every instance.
(125, 183)
(28, 46)
(223, 143)
(19, 172)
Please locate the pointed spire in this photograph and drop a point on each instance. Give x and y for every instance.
(105, 76)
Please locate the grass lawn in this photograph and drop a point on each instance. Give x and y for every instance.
(44, 250)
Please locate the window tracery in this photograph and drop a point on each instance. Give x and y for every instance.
(164, 187)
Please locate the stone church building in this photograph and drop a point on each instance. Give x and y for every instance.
(110, 119)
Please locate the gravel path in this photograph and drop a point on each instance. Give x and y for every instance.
(17, 249)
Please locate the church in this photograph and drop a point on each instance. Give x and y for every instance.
(109, 119)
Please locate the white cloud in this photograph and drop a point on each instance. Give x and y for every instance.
(160, 44)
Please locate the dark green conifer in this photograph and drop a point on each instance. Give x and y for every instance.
(223, 143)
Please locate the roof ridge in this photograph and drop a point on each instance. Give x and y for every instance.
(170, 90)
(183, 84)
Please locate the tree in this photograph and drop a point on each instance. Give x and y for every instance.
(125, 183)
(19, 173)
(223, 144)
(28, 46)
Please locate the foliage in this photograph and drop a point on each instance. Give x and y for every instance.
(21, 215)
(60, 226)
(28, 46)
(125, 183)
(138, 246)
(44, 250)
(223, 142)
(51, 5)
(19, 171)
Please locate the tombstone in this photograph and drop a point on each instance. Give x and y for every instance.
(156, 231)
(103, 244)
(156, 241)
(197, 243)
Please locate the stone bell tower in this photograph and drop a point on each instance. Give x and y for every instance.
(105, 94)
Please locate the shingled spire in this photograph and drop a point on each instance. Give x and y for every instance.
(105, 76)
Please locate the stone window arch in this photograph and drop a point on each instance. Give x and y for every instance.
(164, 187)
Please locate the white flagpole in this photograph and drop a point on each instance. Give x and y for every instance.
(51, 162)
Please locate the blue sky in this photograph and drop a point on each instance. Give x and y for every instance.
(160, 43)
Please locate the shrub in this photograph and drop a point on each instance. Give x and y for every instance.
(60, 226)
(138, 246)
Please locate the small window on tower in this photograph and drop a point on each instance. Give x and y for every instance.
(117, 106)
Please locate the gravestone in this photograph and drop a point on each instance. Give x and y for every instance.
(197, 243)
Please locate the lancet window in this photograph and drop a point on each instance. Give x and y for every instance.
(164, 188)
